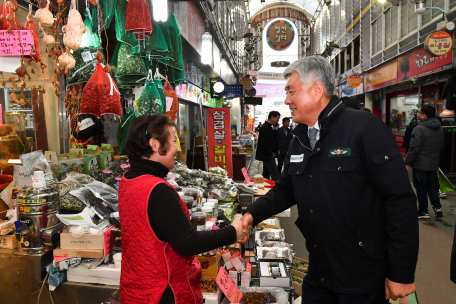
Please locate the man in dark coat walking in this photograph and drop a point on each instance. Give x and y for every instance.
(357, 209)
(267, 146)
(283, 140)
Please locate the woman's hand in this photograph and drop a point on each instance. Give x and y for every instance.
(240, 232)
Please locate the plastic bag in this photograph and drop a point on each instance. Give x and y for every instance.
(274, 253)
(35, 161)
(106, 193)
(85, 65)
(100, 95)
(83, 179)
(161, 92)
(96, 204)
(68, 201)
(150, 102)
(123, 129)
(270, 235)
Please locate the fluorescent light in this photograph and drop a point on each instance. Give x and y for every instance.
(206, 46)
(160, 8)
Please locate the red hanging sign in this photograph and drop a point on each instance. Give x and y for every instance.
(219, 139)
(228, 287)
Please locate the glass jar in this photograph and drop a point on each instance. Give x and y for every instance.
(199, 220)
(188, 201)
(193, 193)
(208, 211)
(216, 205)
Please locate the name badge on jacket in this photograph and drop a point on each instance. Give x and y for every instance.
(297, 158)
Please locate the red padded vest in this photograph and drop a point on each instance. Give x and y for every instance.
(148, 264)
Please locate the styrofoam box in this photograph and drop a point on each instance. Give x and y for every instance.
(105, 274)
(268, 281)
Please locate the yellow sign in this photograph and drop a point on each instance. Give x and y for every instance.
(246, 83)
(382, 76)
(355, 80)
(439, 43)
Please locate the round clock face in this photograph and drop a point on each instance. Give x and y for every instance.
(280, 35)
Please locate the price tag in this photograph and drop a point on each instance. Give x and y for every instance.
(246, 176)
(228, 287)
(86, 123)
(169, 103)
(86, 56)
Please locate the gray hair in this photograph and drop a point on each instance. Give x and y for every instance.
(314, 68)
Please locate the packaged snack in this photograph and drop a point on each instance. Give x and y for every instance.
(270, 235)
(275, 253)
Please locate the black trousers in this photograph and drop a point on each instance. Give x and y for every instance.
(426, 185)
(270, 169)
(313, 293)
(280, 160)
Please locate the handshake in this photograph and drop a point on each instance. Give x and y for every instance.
(243, 225)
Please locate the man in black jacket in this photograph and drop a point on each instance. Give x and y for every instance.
(424, 156)
(357, 209)
(267, 146)
(283, 140)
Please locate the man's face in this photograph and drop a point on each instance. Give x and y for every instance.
(275, 120)
(302, 99)
(420, 115)
(286, 124)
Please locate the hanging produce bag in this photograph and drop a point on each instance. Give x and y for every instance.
(137, 18)
(4, 24)
(129, 67)
(150, 102)
(89, 38)
(100, 95)
(105, 12)
(124, 128)
(115, 59)
(31, 26)
(161, 92)
(171, 97)
(85, 65)
(127, 37)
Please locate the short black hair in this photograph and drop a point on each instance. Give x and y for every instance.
(285, 119)
(427, 110)
(273, 114)
(350, 102)
(142, 129)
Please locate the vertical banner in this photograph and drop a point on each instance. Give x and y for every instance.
(219, 139)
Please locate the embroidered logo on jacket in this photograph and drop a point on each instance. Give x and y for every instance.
(339, 152)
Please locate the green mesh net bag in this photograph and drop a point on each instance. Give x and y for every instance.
(130, 68)
(115, 60)
(161, 92)
(123, 129)
(89, 38)
(127, 37)
(85, 65)
(150, 101)
(105, 13)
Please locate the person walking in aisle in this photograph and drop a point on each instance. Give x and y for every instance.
(424, 156)
(267, 146)
(257, 129)
(357, 208)
(283, 141)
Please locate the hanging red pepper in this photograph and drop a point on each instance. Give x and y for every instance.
(137, 18)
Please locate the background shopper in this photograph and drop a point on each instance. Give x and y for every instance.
(267, 146)
(283, 141)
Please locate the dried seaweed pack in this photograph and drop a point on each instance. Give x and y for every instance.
(85, 65)
(96, 204)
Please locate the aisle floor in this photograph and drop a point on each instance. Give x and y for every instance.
(433, 269)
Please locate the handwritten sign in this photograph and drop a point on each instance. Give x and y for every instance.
(228, 287)
(9, 43)
(246, 176)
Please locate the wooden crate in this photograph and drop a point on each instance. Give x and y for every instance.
(8, 241)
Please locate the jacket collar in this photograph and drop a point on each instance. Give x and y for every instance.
(326, 118)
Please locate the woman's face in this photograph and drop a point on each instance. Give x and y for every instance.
(168, 159)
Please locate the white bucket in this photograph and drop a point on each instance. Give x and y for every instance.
(117, 260)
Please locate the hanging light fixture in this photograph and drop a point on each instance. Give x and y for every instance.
(160, 8)
(206, 46)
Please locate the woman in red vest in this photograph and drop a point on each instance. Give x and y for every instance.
(158, 241)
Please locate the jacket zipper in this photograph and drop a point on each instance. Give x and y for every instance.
(301, 143)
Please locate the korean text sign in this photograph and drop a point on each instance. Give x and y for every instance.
(9, 43)
(228, 287)
(219, 139)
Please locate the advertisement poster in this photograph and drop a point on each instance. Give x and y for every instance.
(271, 90)
(193, 94)
(219, 139)
(382, 76)
(347, 90)
(191, 23)
(419, 63)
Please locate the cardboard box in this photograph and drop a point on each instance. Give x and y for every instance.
(246, 275)
(75, 160)
(115, 243)
(226, 255)
(234, 275)
(8, 241)
(296, 272)
(79, 253)
(210, 266)
(238, 262)
(266, 280)
(87, 241)
(249, 256)
(234, 248)
(297, 286)
(91, 158)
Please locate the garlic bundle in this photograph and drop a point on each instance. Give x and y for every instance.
(67, 60)
(48, 40)
(44, 16)
(73, 30)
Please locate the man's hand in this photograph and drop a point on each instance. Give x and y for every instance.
(279, 152)
(395, 290)
(246, 224)
(407, 167)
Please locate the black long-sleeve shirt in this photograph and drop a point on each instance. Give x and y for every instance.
(169, 221)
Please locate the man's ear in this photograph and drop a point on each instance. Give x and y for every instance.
(318, 90)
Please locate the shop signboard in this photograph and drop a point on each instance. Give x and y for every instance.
(382, 76)
(251, 92)
(280, 35)
(219, 139)
(193, 94)
(355, 80)
(253, 74)
(439, 43)
(246, 83)
(191, 23)
(348, 90)
(10, 44)
(419, 63)
(271, 90)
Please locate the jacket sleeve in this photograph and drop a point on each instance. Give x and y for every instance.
(264, 143)
(415, 145)
(388, 176)
(278, 199)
